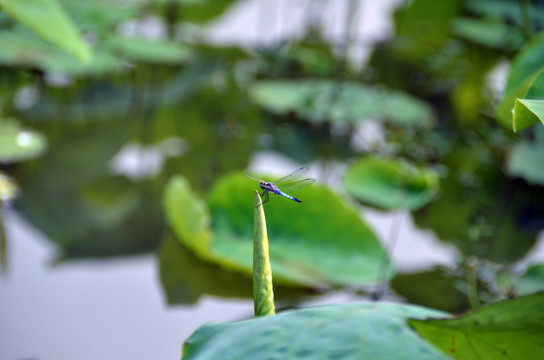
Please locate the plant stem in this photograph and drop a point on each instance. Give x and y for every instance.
(472, 283)
(3, 246)
(263, 292)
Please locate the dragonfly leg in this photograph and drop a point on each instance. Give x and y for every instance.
(265, 195)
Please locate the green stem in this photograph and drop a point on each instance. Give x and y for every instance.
(263, 292)
(3, 246)
(472, 284)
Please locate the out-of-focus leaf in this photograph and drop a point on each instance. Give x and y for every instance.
(19, 144)
(49, 20)
(165, 52)
(526, 160)
(100, 16)
(311, 56)
(390, 184)
(525, 67)
(510, 329)
(532, 281)
(106, 101)
(507, 11)
(322, 100)
(316, 61)
(101, 63)
(322, 241)
(23, 48)
(360, 331)
(488, 32)
(434, 288)
(188, 215)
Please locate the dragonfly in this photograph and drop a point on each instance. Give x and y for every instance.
(287, 183)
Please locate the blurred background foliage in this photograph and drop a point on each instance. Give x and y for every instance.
(95, 123)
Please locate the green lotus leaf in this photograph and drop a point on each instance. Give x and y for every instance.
(188, 215)
(19, 144)
(100, 16)
(102, 62)
(525, 68)
(150, 51)
(510, 329)
(357, 331)
(390, 184)
(528, 112)
(322, 100)
(487, 32)
(48, 19)
(20, 47)
(321, 241)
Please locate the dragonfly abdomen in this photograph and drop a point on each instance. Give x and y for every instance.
(278, 192)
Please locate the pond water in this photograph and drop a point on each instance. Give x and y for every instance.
(92, 309)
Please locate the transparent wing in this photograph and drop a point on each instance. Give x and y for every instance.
(254, 178)
(296, 185)
(297, 174)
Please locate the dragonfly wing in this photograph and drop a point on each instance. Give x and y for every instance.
(297, 174)
(296, 185)
(251, 177)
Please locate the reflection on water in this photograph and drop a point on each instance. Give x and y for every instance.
(93, 309)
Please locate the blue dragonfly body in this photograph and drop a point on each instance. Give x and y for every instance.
(287, 183)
